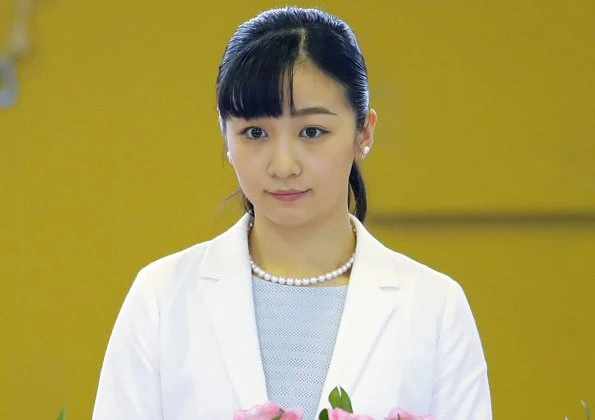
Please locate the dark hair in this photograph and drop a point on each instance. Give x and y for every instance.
(261, 56)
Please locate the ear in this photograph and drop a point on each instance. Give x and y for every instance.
(365, 137)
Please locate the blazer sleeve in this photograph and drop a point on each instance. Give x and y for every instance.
(129, 383)
(461, 389)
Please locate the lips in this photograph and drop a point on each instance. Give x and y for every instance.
(288, 195)
(287, 192)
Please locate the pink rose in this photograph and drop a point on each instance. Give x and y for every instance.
(296, 413)
(265, 411)
(268, 411)
(406, 415)
(338, 414)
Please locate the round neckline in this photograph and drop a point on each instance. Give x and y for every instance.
(286, 287)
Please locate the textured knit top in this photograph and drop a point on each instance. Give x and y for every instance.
(297, 328)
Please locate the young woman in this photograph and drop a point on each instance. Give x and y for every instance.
(297, 297)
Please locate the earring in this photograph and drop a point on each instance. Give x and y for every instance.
(365, 151)
(229, 157)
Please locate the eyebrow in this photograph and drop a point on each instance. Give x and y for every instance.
(312, 110)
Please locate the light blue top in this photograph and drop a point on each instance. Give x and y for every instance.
(297, 328)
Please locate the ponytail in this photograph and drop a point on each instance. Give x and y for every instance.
(358, 205)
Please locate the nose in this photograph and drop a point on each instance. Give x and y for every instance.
(284, 162)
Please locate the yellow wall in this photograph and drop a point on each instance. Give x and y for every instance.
(112, 158)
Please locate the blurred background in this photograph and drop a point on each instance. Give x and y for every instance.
(483, 168)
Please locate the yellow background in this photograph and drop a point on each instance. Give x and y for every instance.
(112, 158)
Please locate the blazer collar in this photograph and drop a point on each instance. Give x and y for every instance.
(229, 302)
(368, 305)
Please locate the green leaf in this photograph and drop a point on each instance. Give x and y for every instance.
(346, 402)
(339, 399)
(335, 397)
(62, 415)
(323, 415)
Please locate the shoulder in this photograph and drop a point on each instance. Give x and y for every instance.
(161, 277)
(436, 298)
(180, 270)
(398, 269)
(387, 268)
(393, 268)
(429, 290)
(425, 276)
(178, 262)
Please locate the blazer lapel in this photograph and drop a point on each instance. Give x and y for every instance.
(369, 304)
(229, 302)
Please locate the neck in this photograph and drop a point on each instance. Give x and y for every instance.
(303, 250)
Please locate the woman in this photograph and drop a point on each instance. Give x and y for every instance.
(297, 297)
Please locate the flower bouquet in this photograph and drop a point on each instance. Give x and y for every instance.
(341, 409)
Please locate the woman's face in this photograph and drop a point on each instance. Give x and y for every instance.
(295, 168)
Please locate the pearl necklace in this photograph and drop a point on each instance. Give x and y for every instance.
(260, 273)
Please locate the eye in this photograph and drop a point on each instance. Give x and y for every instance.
(312, 132)
(254, 133)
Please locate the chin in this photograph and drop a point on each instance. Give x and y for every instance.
(286, 217)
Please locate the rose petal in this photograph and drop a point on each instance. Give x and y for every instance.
(265, 411)
(406, 415)
(296, 413)
(338, 414)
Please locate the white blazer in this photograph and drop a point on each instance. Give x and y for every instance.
(185, 343)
